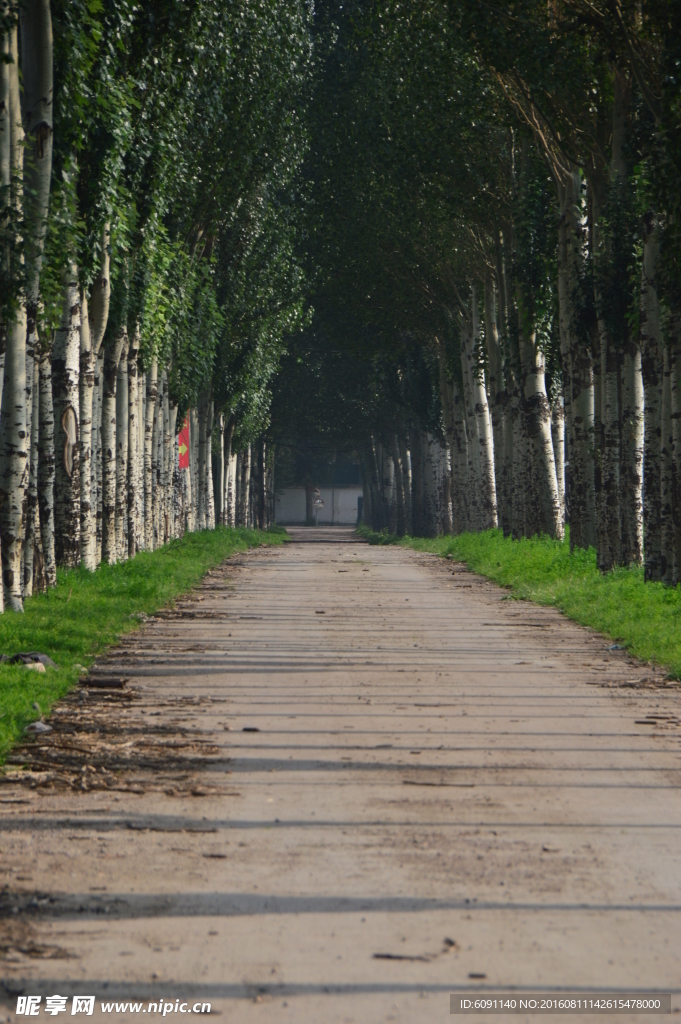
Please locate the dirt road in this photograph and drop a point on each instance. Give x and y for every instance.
(341, 783)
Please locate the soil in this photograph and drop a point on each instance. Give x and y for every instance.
(339, 783)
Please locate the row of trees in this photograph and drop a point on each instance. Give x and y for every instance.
(149, 168)
(495, 231)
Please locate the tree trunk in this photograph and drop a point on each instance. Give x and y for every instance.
(387, 481)
(262, 486)
(167, 467)
(652, 374)
(245, 491)
(203, 456)
(232, 491)
(667, 526)
(46, 465)
(33, 562)
(157, 463)
(610, 520)
(676, 438)
(210, 501)
(37, 96)
(152, 393)
(65, 392)
(141, 430)
(497, 401)
(133, 481)
(112, 356)
(173, 471)
(416, 451)
(521, 466)
(632, 456)
(558, 441)
(406, 479)
(36, 72)
(229, 434)
(220, 483)
(97, 453)
(122, 443)
(578, 375)
(399, 487)
(429, 486)
(543, 512)
(88, 520)
(93, 325)
(13, 440)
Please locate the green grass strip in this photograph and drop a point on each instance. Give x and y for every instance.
(643, 617)
(88, 611)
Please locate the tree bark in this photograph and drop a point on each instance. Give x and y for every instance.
(262, 486)
(245, 495)
(405, 460)
(400, 518)
(497, 400)
(558, 441)
(210, 500)
(652, 374)
(157, 462)
(88, 520)
(133, 468)
(112, 356)
(610, 519)
(632, 456)
(152, 393)
(34, 577)
(667, 527)
(122, 443)
(13, 439)
(416, 452)
(97, 453)
(173, 471)
(578, 375)
(94, 318)
(37, 96)
(46, 461)
(676, 441)
(65, 392)
(543, 513)
(229, 434)
(203, 456)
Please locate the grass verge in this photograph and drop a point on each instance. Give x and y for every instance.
(643, 617)
(88, 611)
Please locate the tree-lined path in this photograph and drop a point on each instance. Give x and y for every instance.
(340, 783)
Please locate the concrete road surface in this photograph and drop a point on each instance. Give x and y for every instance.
(341, 784)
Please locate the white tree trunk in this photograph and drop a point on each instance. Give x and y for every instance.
(547, 517)
(88, 510)
(558, 441)
(13, 440)
(231, 491)
(151, 395)
(97, 454)
(652, 372)
(132, 496)
(112, 356)
(66, 398)
(46, 465)
(167, 465)
(94, 317)
(156, 460)
(122, 441)
(141, 427)
(33, 553)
